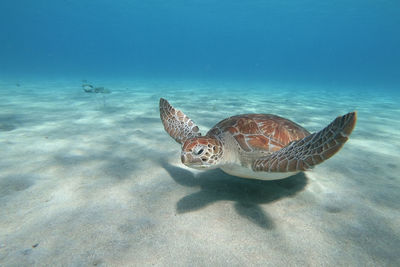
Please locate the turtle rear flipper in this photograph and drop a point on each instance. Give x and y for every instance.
(313, 149)
(176, 123)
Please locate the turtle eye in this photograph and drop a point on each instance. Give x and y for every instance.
(199, 152)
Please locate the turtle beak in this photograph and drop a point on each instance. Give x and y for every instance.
(188, 159)
(183, 158)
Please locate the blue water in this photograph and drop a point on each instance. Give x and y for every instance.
(335, 42)
(94, 179)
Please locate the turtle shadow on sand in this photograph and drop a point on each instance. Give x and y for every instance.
(248, 194)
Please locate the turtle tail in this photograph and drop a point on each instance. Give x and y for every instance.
(313, 149)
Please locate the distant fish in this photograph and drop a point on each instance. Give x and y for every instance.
(88, 88)
(101, 90)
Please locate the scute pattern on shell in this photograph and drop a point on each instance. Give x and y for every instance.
(310, 151)
(255, 132)
(176, 123)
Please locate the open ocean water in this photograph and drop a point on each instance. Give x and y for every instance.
(88, 176)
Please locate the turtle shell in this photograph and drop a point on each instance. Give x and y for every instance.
(255, 132)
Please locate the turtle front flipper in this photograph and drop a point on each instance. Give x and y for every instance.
(176, 123)
(313, 149)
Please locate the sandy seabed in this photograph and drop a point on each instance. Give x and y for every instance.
(87, 180)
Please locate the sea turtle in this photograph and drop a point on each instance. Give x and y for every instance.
(258, 146)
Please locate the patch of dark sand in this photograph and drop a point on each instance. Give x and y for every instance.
(15, 183)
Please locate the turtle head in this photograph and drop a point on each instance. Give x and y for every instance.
(202, 153)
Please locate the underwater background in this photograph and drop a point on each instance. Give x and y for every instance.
(350, 42)
(88, 176)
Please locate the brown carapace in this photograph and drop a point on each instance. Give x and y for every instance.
(260, 146)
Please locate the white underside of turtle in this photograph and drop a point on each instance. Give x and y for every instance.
(244, 172)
